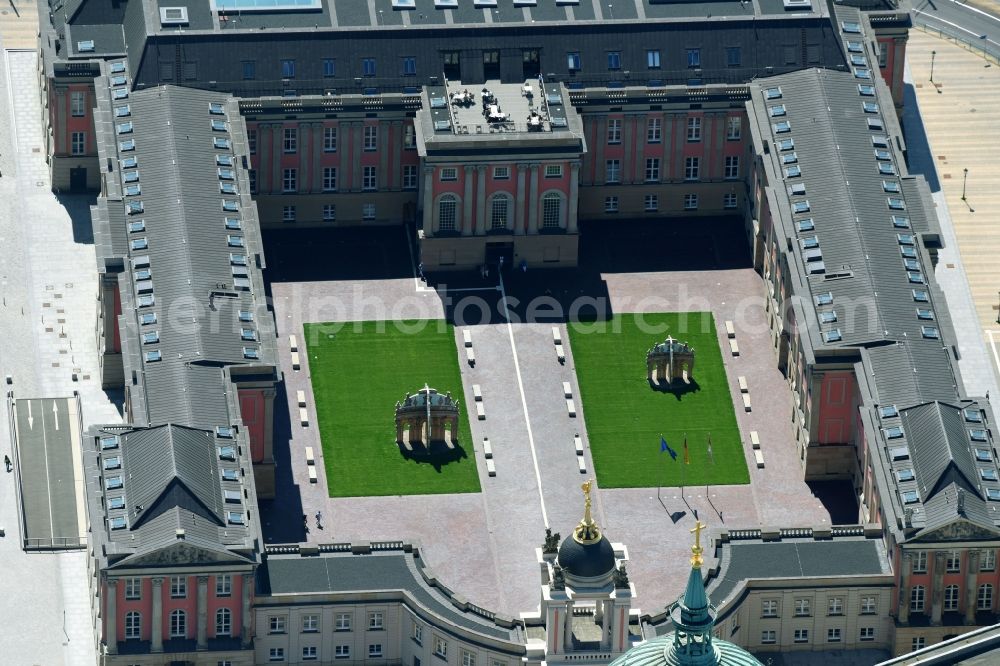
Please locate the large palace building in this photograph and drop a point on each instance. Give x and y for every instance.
(492, 128)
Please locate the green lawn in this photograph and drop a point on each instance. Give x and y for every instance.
(625, 416)
(358, 374)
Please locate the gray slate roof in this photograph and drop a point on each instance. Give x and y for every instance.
(164, 479)
(378, 571)
(196, 262)
(788, 558)
(873, 258)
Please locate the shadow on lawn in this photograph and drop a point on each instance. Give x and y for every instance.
(677, 389)
(437, 456)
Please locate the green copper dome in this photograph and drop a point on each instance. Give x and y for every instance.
(660, 652)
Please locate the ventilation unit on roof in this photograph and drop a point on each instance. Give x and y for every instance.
(798, 5)
(173, 15)
(85, 46)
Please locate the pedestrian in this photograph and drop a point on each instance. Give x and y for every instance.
(6, 462)
(319, 520)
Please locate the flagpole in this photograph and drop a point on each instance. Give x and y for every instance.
(684, 464)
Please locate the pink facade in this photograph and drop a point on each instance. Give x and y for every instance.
(836, 415)
(252, 411)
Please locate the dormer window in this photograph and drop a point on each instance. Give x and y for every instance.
(904, 475)
(983, 455)
(248, 334)
(233, 224)
(218, 125)
(115, 462)
(113, 482)
(224, 160)
(109, 442)
(972, 415)
(235, 518)
(234, 241)
(899, 453)
(910, 496)
(117, 523)
(232, 496)
(116, 502)
(893, 432)
(977, 435)
(216, 109)
(772, 93)
(227, 453)
(225, 432)
(888, 411)
(230, 474)
(221, 143)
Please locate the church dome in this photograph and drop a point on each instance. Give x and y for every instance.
(660, 652)
(587, 560)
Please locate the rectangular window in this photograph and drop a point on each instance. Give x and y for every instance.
(409, 137)
(501, 173)
(654, 127)
(409, 177)
(368, 211)
(988, 560)
(729, 200)
(734, 126)
(868, 605)
(732, 169)
(329, 212)
(276, 624)
(329, 179)
(288, 213)
(919, 561)
(610, 204)
(329, 68)
(734, 58)
(833, 635)
(690, 202)
(310, 653)
(417, 634)
(953, 563)
(694, 130)
(252, 177)
(368, 179)
(769, 608)
(329, 139)
(867, 634)
(883, 54)
(178, 587)
(693, 58)
(468, 658)
(223, 585)
(252, 140)
(801, 636)
(342, 652)
(133, 588)
(276, 654)
(310, 623)
(835, 606)
(652, 169)
(801, 608)
(614, 60)
(440, 647)
(918, 643)
(291, 140)
(768, 637)
(78, 143)
(573, 62)
(288, 69)
(692, 167)
(917, 598)
(249, 70)
(653, 59)
(342, 622)
(613, 171)
(409, 66)
(449, 173)
(371, 137)
(289, 178)
(77, 103)
(614, 130)
(553, 171)
(374, 650)
(368, 66)
(652, 203)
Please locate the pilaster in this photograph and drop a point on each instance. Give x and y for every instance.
(156, 628)
(245, 615)
(903, 602)
(519, 200)
(937, 587)
(971, 588)
(533, 200)
(111, 619)
(467, 201)
(574, 196)
(481, 222)
(428, 201)
(202, 613)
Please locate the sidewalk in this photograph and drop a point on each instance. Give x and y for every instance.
(960, 111)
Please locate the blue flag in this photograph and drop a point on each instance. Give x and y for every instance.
(666, 447)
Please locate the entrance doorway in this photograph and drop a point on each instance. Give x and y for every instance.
(500, 255)
(78, 179)
(452, 65)
(491, 65)
(530, 63)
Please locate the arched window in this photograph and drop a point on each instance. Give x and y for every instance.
(447, 212)
(178, 624)
(951, 597)
(133, 624)
(984, 600)
(500, 212)
(552, 211)
(917, 598)
(223, 622)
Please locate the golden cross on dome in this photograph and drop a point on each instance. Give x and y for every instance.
(696, 549)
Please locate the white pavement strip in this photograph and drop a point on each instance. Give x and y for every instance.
(524, 403)
(76, 634)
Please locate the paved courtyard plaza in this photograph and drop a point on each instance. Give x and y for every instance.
(483, 544)
(359, 371)
(627, 416)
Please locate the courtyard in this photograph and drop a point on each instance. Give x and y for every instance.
(483, 544)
